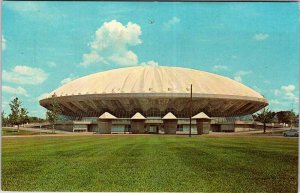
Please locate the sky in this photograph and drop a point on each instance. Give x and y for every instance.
(47, 44)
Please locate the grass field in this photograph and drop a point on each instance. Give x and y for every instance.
(150, 163)
(14, 131)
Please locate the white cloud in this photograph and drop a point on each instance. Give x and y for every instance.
(287, 93)
(68, 79)
(276, 92)
(128, 58)
(243, 73)
(52, 64)
(16, 91)
(35, 10)
(291, 96)
(111, 43)
(261, 36)
(220, 67)
(289, 88)
(3, 43)
(23, 6)
(25, 75)
(92, 58)
(169, 24)
(149, 63)
(239, 74)
(238, 78)
(285, 98)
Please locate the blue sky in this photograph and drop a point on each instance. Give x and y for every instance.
(46, 44)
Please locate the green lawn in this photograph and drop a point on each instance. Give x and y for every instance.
(150, 163)
(14, 131)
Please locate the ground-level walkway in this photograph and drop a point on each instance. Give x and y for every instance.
(48, 133)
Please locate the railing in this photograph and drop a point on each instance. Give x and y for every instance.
(37, 124)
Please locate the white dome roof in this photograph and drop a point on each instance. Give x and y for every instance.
(155, 79)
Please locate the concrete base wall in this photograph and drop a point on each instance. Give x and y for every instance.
(241, 128)
(215, 128)
(104, 127)
(170, 126)
(143, 126)
(227, 128)
(152, 129)
(93, 128)
(137, 126)
(63, 127)
(203, 127)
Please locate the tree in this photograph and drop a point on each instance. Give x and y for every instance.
(18, 114)
(265, 116)
(35, 119)
(23, 116)
(14, 117)
(289, 117)
(54, 110)
(3, 119)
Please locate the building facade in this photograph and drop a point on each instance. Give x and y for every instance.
(155, 99)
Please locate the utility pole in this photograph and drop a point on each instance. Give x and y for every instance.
(191, 99)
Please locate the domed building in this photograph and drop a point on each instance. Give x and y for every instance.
(150, 93)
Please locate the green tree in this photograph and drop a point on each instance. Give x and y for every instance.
(265, 116)
(54, 110)
(14, 116)
(35, 120)
(23, 116)
(3, 119)
(289, 117)
(293, 118)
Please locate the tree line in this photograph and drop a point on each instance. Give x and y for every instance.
(267, 116)
(19, 115)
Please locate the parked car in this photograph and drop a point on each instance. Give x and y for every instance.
(291, 133)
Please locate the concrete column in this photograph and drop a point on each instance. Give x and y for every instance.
(104, 126)
(170, 126)
(170, 123)
(138, 123)
(203, 126)
(203, 123)
(137, 126)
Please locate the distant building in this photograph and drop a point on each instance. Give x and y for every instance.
(154, 99)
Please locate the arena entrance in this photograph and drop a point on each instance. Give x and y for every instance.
(153, 129)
